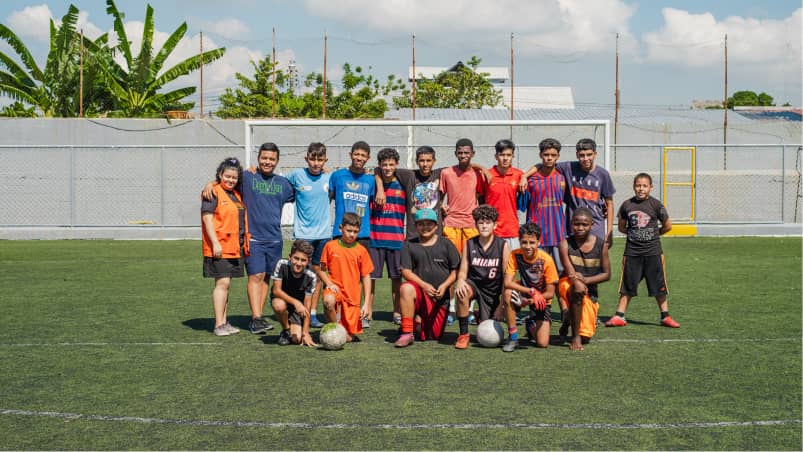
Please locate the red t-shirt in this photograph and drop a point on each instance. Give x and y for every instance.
(501, 193)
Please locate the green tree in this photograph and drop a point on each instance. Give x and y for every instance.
(18, 110)
(463, 87)
(135, 88)
(360, 97)
(52, 90)
(750, 98)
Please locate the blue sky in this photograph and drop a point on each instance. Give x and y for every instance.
(671, 52)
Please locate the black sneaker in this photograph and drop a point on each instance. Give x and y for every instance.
(258, 326)
(510, 345)
(284, 338)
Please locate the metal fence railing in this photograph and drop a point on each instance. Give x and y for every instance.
(132, 186)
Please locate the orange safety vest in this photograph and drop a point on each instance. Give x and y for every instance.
(227, 226)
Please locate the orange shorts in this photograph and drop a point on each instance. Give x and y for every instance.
(459, 236)
(349, 313)
(588, 319)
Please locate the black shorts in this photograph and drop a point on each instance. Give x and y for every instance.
(541, 315)
(292, 316)
(384, 257)
(636, 268)
(486, 301)
(223, 268)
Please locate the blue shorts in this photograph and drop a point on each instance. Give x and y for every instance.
(263, 257)
(318, 246)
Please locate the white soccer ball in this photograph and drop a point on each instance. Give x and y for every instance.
(490, 333)
(333, 336)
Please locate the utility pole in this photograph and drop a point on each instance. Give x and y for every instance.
(725, 104)
(273, 89)
(81, 78)
(414, 76)
(202, 75)
(325, 39)
(616, 110)
(512, 114)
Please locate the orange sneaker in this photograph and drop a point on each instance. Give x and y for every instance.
(616, 321)
(462, 341)
(670, 322)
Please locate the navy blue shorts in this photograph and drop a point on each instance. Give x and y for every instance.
(317, 245)
(263, 257)
(384, 257)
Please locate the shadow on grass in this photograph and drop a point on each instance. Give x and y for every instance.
(208, 323)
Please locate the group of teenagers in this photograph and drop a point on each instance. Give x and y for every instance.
(449, 237)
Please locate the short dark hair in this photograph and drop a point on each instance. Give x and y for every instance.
(424, 150)
(642, 176)
(464, 142)
(302, 246)
(530, 229)
(586, 144)
(549, 143)
(230, 162)
(485, 212)
(361, 145)
(351, 219)
(316, 150)
(268, 146)
(387, 154)
(583, 212)
(503, 144)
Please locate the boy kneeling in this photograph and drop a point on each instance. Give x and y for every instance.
(536, 286)
(586, 264)
(429, 265)
(293, 286)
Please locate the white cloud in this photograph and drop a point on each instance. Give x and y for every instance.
(552, 27)
(91, 30)
(698, 40)
(31, 22)
(228, 28)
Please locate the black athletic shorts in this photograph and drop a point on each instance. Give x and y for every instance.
(486, 302)
(636, 268)
(223, 268)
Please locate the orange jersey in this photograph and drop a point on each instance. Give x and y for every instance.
(536, 273)
(346, 266)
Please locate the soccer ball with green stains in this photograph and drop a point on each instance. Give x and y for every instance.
(490, 333)
(333, 336)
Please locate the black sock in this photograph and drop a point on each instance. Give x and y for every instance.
(463, 321)
(620, 314)
(664, 314)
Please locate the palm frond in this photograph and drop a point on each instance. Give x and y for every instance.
(119, 28)
(168, 48)
(185, 67)
(22, 51)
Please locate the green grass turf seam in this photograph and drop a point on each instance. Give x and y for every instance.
(336, 426)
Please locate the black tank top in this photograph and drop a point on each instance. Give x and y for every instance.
(485, 266)
(587, 264)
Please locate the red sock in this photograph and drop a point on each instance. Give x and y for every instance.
(407, 325)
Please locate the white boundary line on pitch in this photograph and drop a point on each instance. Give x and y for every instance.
(311, 426)
(217, 344)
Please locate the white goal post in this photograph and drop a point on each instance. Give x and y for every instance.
(413, 124)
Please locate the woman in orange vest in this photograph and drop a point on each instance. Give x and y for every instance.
(225, 238)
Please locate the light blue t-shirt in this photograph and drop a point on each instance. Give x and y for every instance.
(352, 193)
(313, 218)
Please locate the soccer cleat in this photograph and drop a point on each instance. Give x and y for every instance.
(284, 338)
(404, 340)
(315, 323)
(510, 345)
(366, 323)
(462, 342)
(268, 326)
(616, 321)
(669, 322)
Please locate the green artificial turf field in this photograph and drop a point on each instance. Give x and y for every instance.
(108, 345)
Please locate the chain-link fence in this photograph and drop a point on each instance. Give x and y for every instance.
(159, 186)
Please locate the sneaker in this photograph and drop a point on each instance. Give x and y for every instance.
(510, 346)
(670, 322)
(471, 319)
(268, 326)
(616, 321)
(284, 338)
(315, 323)
(231, 329)
(462, 342)
(366, 323)
(258, 326)
(397, 320)
(222, 330)
(404, 340)
(450, 320)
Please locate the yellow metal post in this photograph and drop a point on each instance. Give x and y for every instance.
(682, 226)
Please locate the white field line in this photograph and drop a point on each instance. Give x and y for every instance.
(218, 344)
(312, 426)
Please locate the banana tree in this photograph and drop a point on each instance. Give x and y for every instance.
(135, 86)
